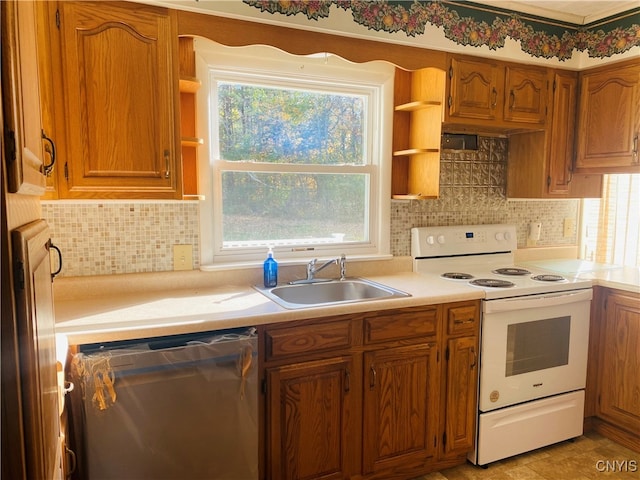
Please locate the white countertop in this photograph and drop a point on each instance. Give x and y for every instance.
(119, 316)
(176, 304)
(604, 275)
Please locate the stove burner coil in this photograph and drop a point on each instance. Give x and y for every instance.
(458, 275)
(548, 278)
(492, 282)
(511, 271)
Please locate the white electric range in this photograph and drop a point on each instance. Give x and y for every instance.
(534, 337)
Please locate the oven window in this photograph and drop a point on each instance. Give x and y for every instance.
(537, 345)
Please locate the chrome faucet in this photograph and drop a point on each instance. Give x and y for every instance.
(312, 270)
(342, 263)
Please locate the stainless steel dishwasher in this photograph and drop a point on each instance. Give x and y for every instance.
(181, 407)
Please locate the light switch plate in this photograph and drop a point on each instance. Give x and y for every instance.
(183, 257)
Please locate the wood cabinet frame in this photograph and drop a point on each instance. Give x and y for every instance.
(356, 366)
(117, 130)
(608, 133)
(614, 361)
(492, 96)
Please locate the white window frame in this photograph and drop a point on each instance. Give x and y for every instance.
(271, 66)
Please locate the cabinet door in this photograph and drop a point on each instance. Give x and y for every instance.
(121, 89)
(37, 355)
(21, 99)
(473, 89)
(619, 382)
(309, 420)
(609, 122)
(525, 95)
(400, 406)
(565, 87)
(462, 384)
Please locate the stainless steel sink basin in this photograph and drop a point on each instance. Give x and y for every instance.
(329, 293)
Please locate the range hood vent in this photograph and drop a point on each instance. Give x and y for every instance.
(458, 141)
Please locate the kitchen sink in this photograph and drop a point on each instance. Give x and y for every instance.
(331, 292)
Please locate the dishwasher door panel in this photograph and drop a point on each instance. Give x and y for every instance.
(178, 413)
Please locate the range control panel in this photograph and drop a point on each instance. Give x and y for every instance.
(462, 240)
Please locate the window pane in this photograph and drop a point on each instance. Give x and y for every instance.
(293, 208)
(274, 125)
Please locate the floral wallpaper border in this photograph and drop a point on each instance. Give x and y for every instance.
(471, 24)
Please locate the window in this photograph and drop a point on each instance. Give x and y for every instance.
(611, 225)
(295, 160)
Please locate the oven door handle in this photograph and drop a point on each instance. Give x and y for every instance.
(537, 301)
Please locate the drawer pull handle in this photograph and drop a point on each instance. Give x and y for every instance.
(460, 322)
(167, 171)
(475, 358)
(50, 148)
(73, 461)
(372, 377)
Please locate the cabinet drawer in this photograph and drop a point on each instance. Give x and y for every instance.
(407, 323)
(462, 318)
(285, 342)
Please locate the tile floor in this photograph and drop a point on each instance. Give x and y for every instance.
(590, 456)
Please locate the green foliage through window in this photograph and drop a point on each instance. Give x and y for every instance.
(274, 125)
(300, 140)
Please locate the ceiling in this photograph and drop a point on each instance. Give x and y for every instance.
(580, 12)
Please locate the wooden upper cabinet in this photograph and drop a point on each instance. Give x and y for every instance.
(562, 132)
(120, 81)
(541, 163)
(496, 95)
(22, 140)
(609, 119)
(473, 89)
(525, 94)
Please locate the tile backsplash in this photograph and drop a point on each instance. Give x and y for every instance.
(110, 237)
(103, 238)
(472, 191)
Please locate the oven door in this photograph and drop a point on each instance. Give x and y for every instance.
(533, 347)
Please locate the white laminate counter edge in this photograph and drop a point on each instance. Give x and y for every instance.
(158, 313)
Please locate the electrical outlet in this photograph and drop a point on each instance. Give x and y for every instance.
(569, 227)
(183, 257)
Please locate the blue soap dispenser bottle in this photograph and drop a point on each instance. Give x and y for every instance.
(270, 270)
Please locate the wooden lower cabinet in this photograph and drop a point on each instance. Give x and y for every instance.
(400, 408)
(377, 395)
(462, 383)
(310, 406)
(614, 362)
